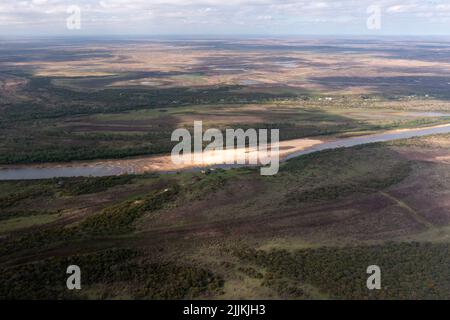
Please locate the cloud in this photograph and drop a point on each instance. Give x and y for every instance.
(401, 8)
(225, 16)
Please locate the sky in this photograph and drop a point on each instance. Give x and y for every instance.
(223, 17)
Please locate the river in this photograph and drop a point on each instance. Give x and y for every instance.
(141, 164)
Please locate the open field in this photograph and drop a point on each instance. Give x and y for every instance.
(308, 232)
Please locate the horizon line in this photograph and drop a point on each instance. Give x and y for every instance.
(231, 35)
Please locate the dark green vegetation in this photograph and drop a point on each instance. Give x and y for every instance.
(81, 185)
(321, 176)
(410, 270)
(138, 278)
(309, 232)
(118, 219)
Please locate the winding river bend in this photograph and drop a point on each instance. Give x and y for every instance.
(159, 164)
